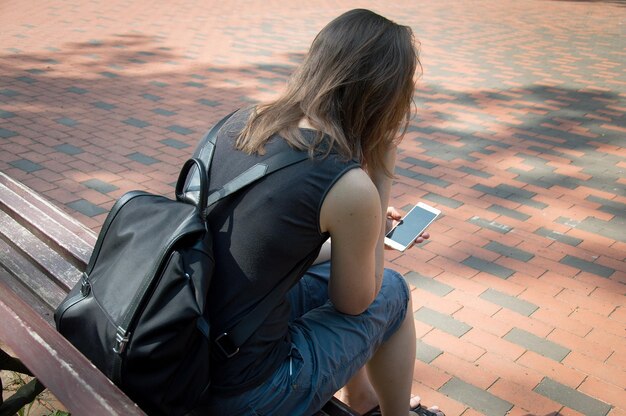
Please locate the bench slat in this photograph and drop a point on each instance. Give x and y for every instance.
(55, 266)
(24, 272)
(57, 364)
(53, 226)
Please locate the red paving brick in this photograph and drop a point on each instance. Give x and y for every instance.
(518, 138)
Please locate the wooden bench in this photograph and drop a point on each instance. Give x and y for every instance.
(42, 254)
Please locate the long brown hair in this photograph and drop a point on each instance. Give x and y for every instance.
(355, 85)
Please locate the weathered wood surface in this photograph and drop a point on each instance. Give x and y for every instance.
(80, 386)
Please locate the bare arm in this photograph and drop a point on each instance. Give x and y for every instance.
(382, 182)
(351, 214)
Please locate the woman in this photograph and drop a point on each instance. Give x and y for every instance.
(345, 106)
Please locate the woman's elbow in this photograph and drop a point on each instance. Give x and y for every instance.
(356, 305)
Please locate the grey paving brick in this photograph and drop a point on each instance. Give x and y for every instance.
(417, 162)
(611, 229)
(449, 202)
(194, 84)
(100, 186)
(6, 114)
(151, 97)
(209, 103)
(587, 266)
(6, 134)
(510, 302)
(177, 144)
(109, 74)
(429, 284)
(612, 207)
(475, 172)
(432, 180)
(104, 106)
(488, 267)
(442, 321)
(476, 398)
(492, 225)
(499, 209)
(68, 149)
(26, 165)
(426, 353)
(180, 130)
(571, 398)
(87, 208)
(509, 251)
(77, 90)
(539, 345)
(27, 80)
(555, 235)
(136, 122)
(9, 93)
(159, 84)
(163, 112)
(142, 158)
(66, 121)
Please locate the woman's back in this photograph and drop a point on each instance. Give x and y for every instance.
(262, 235)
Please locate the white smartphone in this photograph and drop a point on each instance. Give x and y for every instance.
(411, 226)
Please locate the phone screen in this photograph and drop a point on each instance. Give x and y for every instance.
(411, 225)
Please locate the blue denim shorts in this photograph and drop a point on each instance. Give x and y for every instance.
(327, 348)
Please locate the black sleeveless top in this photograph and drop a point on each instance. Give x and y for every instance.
(262, 235)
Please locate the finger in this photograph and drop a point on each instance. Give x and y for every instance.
(393, 213)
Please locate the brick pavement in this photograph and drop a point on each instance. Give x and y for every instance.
(518, 137)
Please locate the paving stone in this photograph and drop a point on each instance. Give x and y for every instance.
(442, 321)
(136, 122)
(6, 134)
(510, 302)
(609, 206)
(6, 114)
(613, 229)
(449, 202)
(555, 235)
(429, 284)
(209, 103)
(104, 106)
(426, 353)
(108, 74)
(492, 225)
(587, 266)
(26, 165)
(86, 208)
(68, 149)
(571, 398)
(142, 158)
(27, 80)
(509, 251)
(151, 97)
(417, 162)
(9, 93)
(100, 186)
(488, 267)
(475, 172)
(177, 144)
(77, 90)
(163, 112)
(477, 398)
(499, 209)
(180, 130)
(66, 121)
(539, 345)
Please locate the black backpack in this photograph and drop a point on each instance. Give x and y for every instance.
(139, 311)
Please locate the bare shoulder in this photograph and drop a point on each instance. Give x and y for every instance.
(352, 199)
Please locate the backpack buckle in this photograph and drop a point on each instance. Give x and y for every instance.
(226, 345)
(121, 339)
